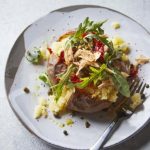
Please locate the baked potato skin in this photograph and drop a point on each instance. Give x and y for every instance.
(82, 102)
(79, 101)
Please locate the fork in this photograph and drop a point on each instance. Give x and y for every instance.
(122, 112)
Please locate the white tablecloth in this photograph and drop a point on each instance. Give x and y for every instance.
(15, 15)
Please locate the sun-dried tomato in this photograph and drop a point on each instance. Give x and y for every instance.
(84, 34)
(61, 57)
(133, 71)
(50, 50)
(99, 46)
(75, 79)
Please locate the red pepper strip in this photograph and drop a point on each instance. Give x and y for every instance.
(61, 57)
(133, 71)
(99, 46)
(50, 50)
(75, 79)
(84, 34)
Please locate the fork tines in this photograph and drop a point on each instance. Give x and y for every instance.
(137, 86)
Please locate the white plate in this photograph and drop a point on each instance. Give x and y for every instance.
(20, 73)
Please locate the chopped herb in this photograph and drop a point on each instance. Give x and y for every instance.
(26, 90)
(87, 124)
(121, 83)
(65, 133)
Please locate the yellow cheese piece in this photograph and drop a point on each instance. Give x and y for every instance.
(106, 93)
(41, 109)
(38, 111)
(120, 44)
(125, 58)
(43, 101)
(57, 47)
(136, 100)
(44, 51)
(61, 104)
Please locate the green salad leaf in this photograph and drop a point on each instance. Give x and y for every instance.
(45, 79)
(105, 41)
(86, 27)
(95, 76)
(121, 83)
(63, 81)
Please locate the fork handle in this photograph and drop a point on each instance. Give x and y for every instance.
(105, 135)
